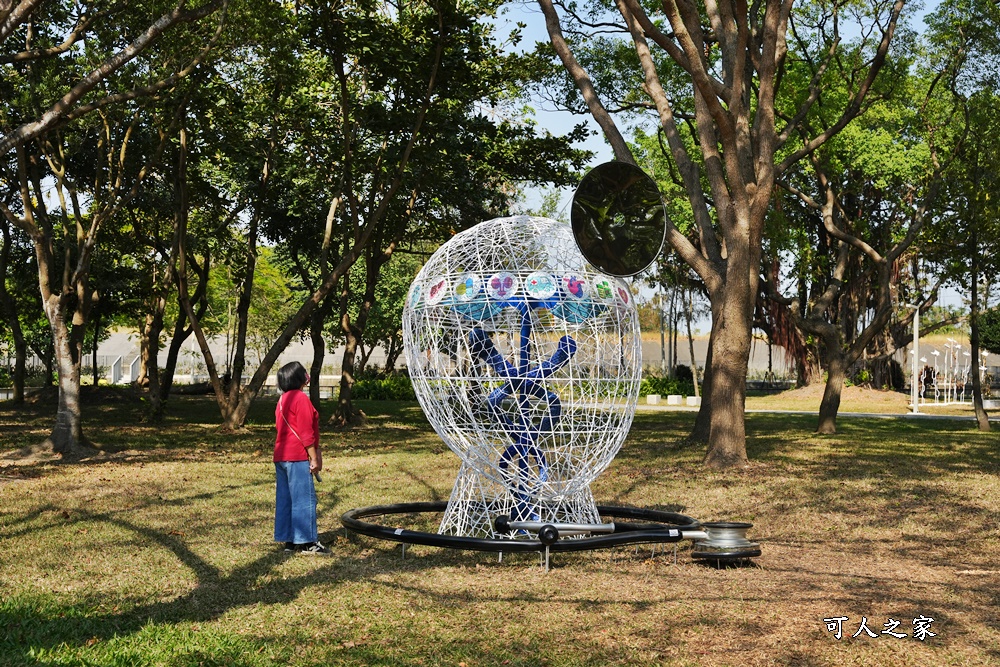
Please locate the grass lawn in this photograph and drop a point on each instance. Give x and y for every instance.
(160, 552)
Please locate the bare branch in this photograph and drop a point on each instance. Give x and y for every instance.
(694, 51)
(689, 170)
(584, 84)
(12, 16)
(814, 88)
(666, 43)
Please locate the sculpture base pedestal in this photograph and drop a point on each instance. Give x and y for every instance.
(476, 501)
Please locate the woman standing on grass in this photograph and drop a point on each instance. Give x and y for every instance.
(297, 458)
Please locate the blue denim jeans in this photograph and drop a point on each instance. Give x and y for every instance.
(294, 503)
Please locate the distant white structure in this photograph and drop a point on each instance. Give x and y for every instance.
(527, 362)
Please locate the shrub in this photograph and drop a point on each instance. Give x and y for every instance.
(989, 330)
(665, 386)
(863, 378)
(394, 387)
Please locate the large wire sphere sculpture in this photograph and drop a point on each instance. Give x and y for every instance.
(526, 361)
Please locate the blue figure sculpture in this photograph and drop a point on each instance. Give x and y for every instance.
(525, 382)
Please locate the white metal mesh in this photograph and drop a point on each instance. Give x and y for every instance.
(526, 361)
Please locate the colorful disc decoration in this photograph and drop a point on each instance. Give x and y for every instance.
(467, 287)
(437, 291)
(502, 286)
(540, 285)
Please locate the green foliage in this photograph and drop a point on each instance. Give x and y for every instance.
(271, 303)
(862, 378)
(392, 387)
(650, 150)
(549, 206)
(385, 316)
(649, 316)
(989, 330)
(665, 386)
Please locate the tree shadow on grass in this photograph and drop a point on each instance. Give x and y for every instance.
(826, 472)
(28, 625)
(42, 624)
(918, 446)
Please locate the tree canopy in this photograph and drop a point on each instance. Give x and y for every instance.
(220, 168)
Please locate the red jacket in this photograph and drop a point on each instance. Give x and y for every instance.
(298, 426)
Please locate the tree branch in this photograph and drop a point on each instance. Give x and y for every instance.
(689, 170)
(75, 35)
(584, 84)
(855, 106)
(57, 112)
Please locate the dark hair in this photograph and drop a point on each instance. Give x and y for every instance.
(292, 376)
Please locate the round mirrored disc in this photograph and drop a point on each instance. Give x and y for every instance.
(618, 218)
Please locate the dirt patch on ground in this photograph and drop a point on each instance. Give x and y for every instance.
(852, 399)
(858, 394)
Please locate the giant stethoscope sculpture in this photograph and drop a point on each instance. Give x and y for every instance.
(523, 346)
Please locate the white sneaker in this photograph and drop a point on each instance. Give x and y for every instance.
(314, 549)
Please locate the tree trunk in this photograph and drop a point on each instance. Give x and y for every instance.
(48, 357)
(319, 352)
(703, 422)
(727, 396)
(180, 336)
(345, 414)
(150, 351)
(694, 364)
(675, 335)
(242, 321)
(836, 368)
(20, 360)
(181, 329)
(364, 356)
(8, 306)
(663, 336)
(982, 419)
(93, 352)
(20, 345)
(66, 438)
(316, 322)
(141, 380)
(353, 332)
(20, 367)
(392, 354)
(229, 398)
